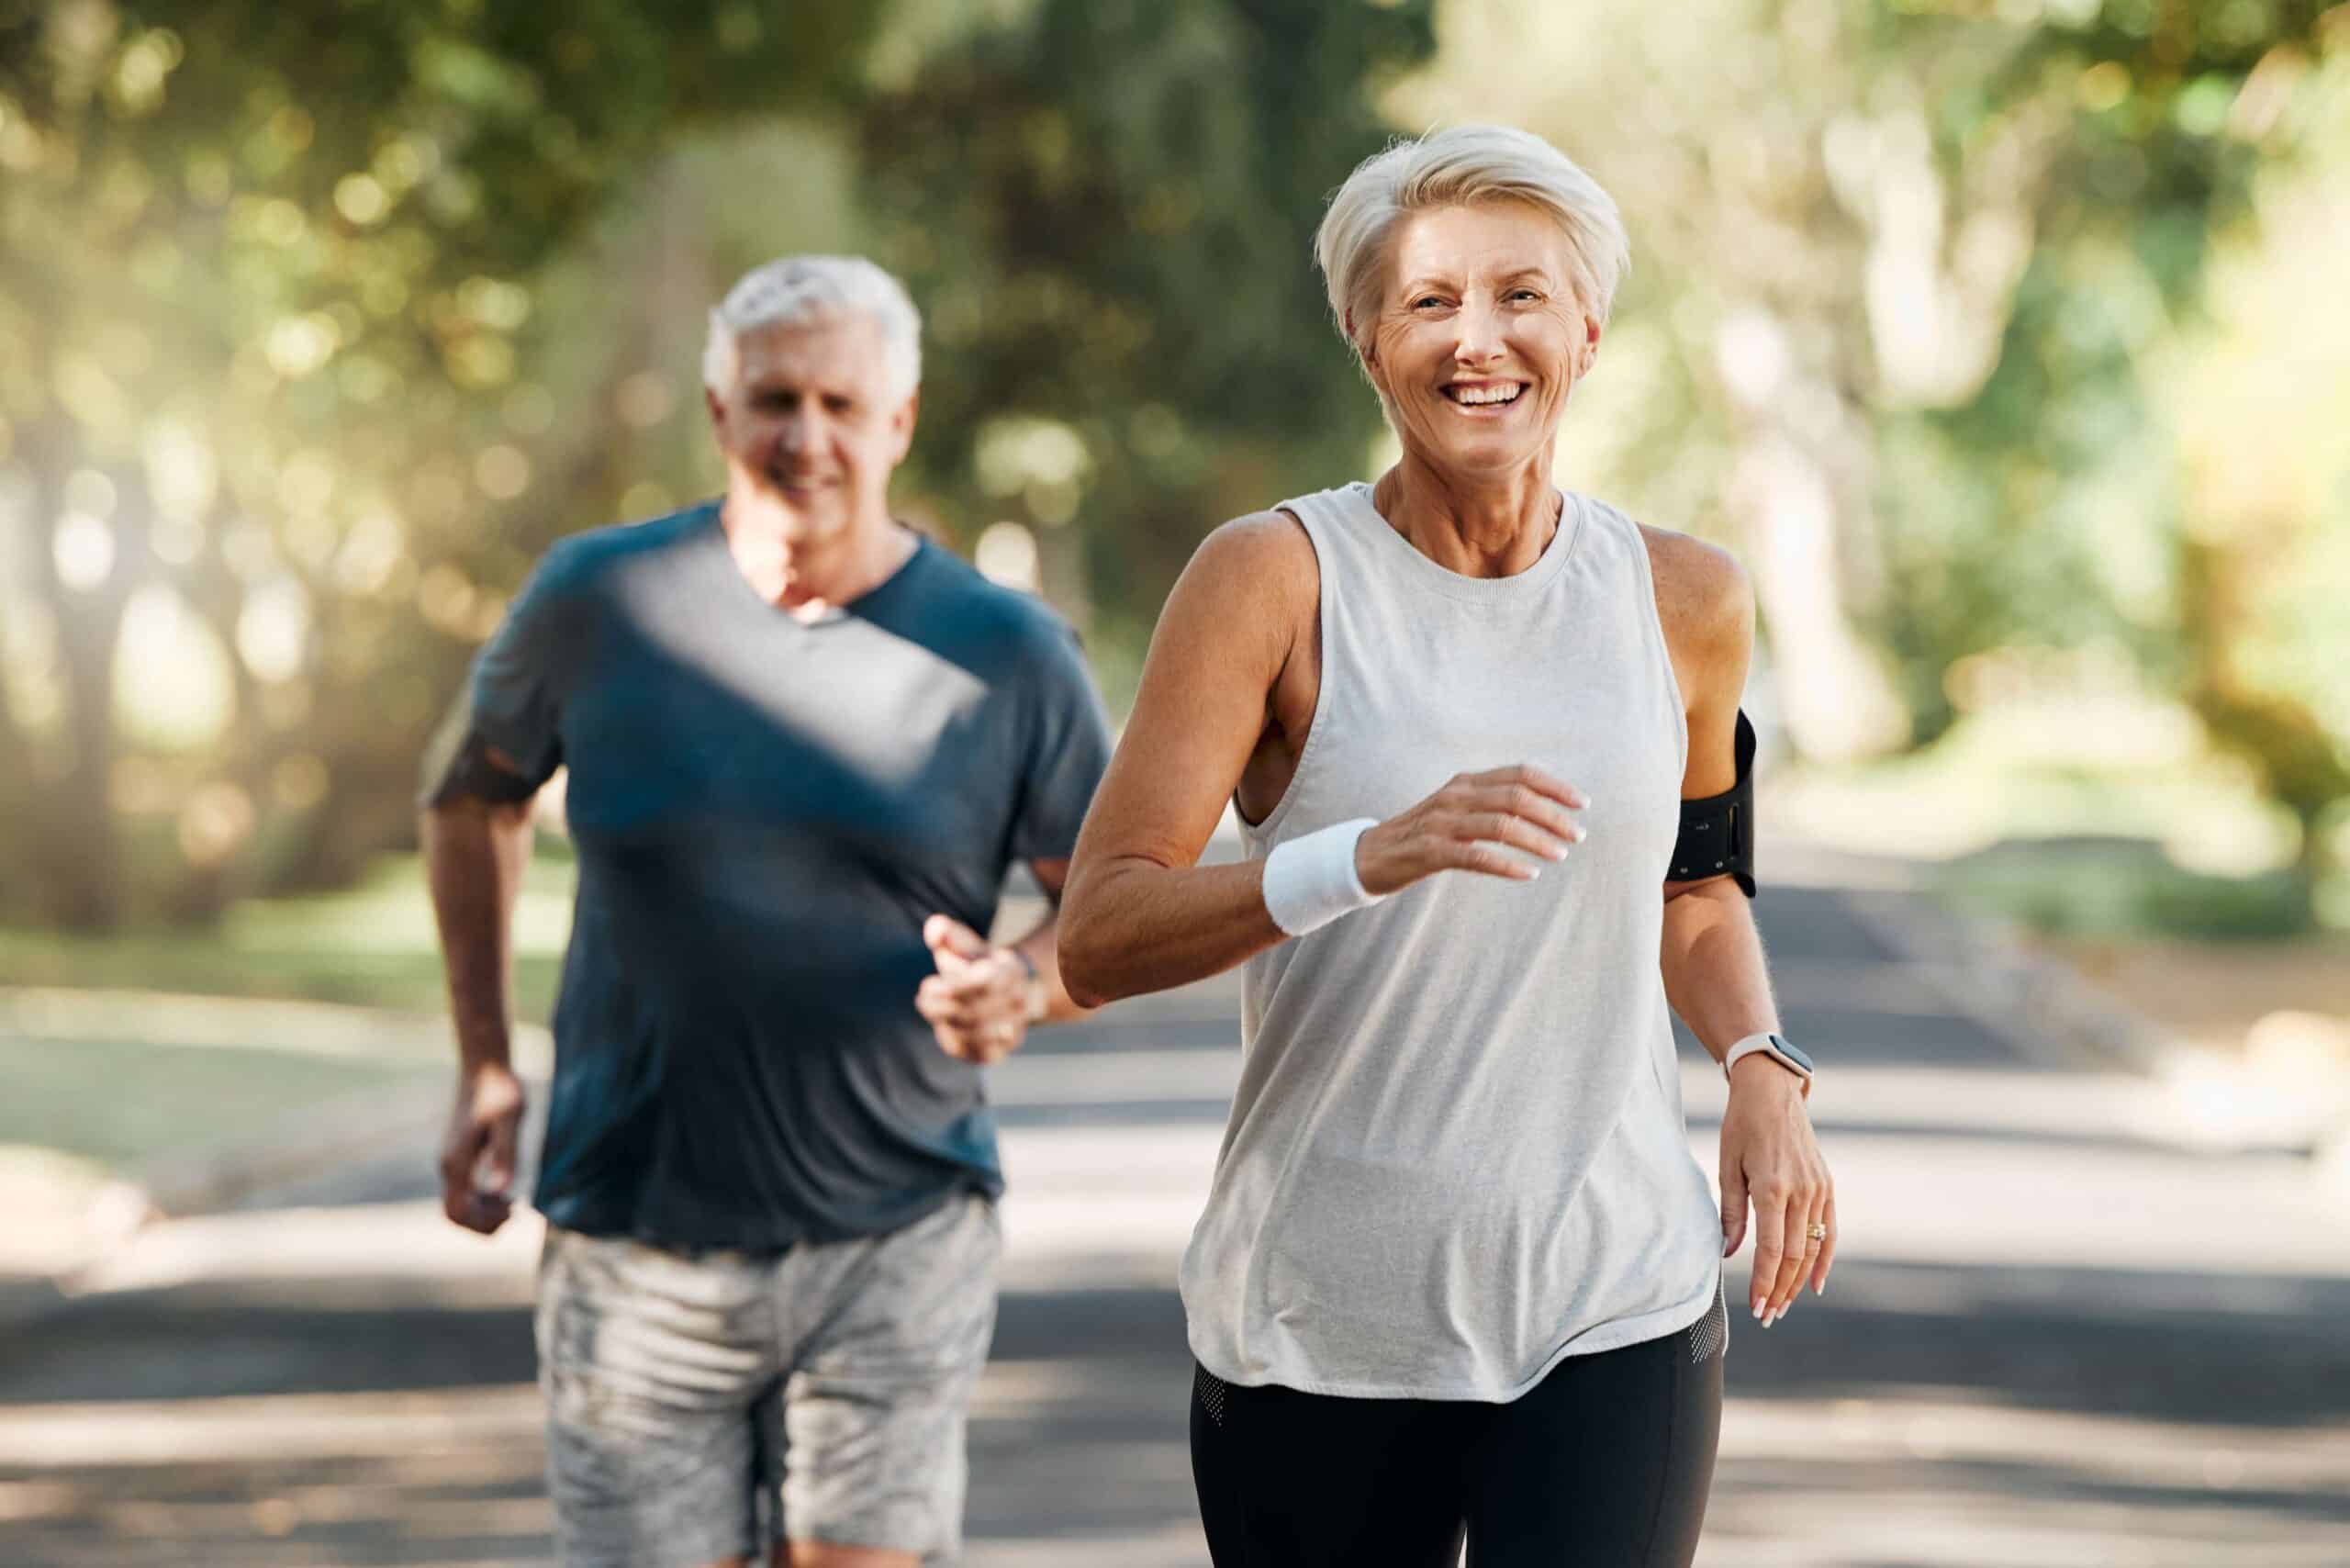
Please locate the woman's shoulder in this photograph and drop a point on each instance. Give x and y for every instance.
(1256, 552)
(1252, 583)
(1703, 595)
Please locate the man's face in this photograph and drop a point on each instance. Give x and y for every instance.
(814, 423)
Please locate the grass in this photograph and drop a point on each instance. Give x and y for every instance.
(2088, 817)
(371, 946)
(2120, 888)
(125, 1102)
(135, 1079)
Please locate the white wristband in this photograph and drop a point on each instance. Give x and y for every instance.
(1310, 880)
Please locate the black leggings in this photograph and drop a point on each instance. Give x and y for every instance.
(1607, 1461)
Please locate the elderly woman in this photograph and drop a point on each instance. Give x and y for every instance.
(1458, 1273)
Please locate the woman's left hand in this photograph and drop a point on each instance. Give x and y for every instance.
(1770, 1157)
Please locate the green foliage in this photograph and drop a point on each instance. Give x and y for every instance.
(327, 318)
(330, 318)
(267, 274)
(1108, 207)
(2158, 118)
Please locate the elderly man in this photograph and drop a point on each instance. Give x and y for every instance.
(804, 747)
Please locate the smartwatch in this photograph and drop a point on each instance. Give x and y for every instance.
(1779, 1048)
(1040, 996)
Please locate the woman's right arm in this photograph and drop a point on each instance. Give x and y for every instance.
(1140, 913)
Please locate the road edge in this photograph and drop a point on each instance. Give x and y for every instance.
(296, 1146)
(2048, 1012)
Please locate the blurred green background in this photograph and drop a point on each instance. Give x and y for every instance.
(2007, 342)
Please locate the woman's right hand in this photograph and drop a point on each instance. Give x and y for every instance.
(1471, 824)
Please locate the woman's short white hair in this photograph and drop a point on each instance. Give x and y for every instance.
(813, 288)
(1457, 167)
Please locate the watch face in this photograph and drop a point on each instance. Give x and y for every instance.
(1787, 1048)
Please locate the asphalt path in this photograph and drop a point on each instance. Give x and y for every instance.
(2075, 1323)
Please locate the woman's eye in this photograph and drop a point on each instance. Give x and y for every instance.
(1524, 294)
(1423, 301)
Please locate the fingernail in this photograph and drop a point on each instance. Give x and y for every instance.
(1757, 1311)
(1819, 1289)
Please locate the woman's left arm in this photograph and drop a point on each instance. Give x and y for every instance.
(1714, 974)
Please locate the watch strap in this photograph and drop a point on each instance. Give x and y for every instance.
(1040, 996)
(1770, 1044)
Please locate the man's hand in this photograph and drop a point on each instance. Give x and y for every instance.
(478, 1155)
(1770, 1156)
(978, 1001)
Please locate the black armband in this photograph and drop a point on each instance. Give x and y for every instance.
(1718, 833)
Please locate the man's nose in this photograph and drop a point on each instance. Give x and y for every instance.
(796, 433)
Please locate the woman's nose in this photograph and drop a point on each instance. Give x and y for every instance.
(1480, 340)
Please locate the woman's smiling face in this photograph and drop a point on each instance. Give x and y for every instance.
(1479, 337)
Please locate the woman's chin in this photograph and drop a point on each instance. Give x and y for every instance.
(1479, 456)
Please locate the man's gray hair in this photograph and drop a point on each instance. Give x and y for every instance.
(1457, 167)
(797, 289)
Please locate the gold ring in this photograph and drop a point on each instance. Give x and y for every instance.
(1818, 1232)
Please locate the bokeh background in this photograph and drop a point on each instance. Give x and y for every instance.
(2006, 341)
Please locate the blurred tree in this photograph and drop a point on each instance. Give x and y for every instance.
(2261, 404)
(2160, 121)
(1107, 207)
(1734, 394)
(1901, 266)
(263, 273)
(317, 327)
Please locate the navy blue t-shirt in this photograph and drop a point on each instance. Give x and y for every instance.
(766, 812)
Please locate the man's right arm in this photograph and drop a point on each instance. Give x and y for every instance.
(500, 742)
(475, 852)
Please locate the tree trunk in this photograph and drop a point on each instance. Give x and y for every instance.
(1836, 703)
(76, 861)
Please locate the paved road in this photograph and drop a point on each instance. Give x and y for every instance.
(2066, 1330)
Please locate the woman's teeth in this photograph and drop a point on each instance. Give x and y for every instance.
(1478, 395)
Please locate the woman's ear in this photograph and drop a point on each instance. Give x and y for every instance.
(1366, 347)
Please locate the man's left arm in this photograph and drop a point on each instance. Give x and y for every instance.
(1041, 947)
(983, 998)
(1715, 976)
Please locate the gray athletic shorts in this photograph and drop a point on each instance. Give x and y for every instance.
(707, 1404)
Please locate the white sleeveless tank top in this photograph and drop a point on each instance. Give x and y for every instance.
(1456, 1153)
